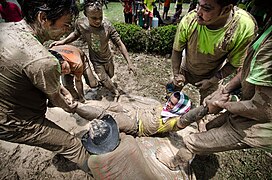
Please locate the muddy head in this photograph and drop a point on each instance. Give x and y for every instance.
(102, 137)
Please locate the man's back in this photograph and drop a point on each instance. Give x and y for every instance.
(27, 72)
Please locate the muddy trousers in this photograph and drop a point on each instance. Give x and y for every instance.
(46, 134)
(68, 80)
(220, 136)
(105, 72)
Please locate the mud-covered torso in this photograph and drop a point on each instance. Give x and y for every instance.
(256, 72)
(98, 39)
(28, 73)
(206, 50)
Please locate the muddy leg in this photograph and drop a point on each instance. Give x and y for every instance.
(105, 79)
(180, 160)
(126, 124)
(68, 83)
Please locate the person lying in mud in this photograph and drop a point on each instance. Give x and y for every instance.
(246, 123)
(117, 155)
(176, 114)
(74, 65)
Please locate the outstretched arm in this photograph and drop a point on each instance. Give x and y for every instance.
(72, 37)
(63, 99)
(124, 51)
(89, 112)
(192, 116)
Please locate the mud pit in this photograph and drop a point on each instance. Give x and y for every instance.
(25, 162)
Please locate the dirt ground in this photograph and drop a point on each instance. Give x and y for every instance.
(153, 72)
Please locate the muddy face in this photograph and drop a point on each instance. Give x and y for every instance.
(59, 28)
(95, 16)
(209, 12)
(65, 68)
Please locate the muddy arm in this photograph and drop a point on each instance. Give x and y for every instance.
(176, 62)
(192, 116)
(89, 112)
(63, 99)
(257, 108)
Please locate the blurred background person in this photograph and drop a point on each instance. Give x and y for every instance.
(10, 11)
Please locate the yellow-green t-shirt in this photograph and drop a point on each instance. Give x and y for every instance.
(207, 49)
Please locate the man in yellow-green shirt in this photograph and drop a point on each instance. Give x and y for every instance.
(246, 123)
(214, 37)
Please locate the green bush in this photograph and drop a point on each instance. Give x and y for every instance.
(133, 36)
(158, 40)
(161, 39)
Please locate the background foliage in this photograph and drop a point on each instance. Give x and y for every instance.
(158, 40)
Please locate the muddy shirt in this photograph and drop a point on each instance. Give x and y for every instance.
(147, 114)
(256, 72)
(98, 39)
(150, 122)
(72, 55)
(207, 49)
(28, 72)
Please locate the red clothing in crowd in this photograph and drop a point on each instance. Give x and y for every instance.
(167, 3)
(11, 12)
(127, 6)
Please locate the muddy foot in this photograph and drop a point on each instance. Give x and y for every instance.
(202, 126)
(168, 161)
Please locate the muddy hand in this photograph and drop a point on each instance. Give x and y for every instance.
(206, 83)
(132, 69)
(56, 43)
(179, 80)
(211, 103)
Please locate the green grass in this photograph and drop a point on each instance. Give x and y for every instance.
(114, 13)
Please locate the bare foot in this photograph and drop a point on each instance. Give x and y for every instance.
(201, 126)
(168, 161)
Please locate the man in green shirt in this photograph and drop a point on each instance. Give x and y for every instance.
(214, 38)
(246, 123)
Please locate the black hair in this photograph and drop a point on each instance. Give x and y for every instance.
(96, 3)
(224, 3)
(57, 55)
(177, 95)
(54, 9)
